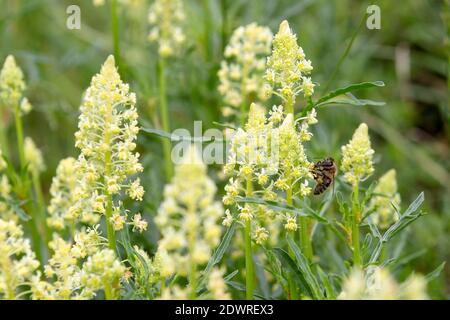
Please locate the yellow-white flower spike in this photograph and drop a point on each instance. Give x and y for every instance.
(166, 18)
(18, 263)
(33, 156)
(189, 218)
(101, 269)
(79, 269)
(294, 164)
(216, 285)
(378, 284)
(287, 67)
(241, 74)
(270, 154)
(12, 84)
(357, 156)
(385, 200)
(62, 195)
(7, 213)
(107, 131)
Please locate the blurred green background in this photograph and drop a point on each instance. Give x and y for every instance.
(410, 53)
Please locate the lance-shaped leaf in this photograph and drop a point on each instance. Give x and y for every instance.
(277, 206)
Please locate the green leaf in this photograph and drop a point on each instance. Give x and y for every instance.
(293, 271)
(327, 284)
(277, 206)
(218, 254)
(435, 273)
(275, 269)
(408, 217)
(231, 275)
(225, 125)
(177, 138)
(16, 206)
(343, 96)
(350, 99)
(350, 88)
(303, 266)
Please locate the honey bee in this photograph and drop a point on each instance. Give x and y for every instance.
(323, 172)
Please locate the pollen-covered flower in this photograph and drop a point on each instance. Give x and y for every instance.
(33, 157)
(12, 84)
(357, 156)
(241, 73)
(108, 128)
(385, 201)
(18, 263)
(166, 18)
(188, 217)
(287, 67)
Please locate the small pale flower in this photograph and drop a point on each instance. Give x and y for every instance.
(291, 224)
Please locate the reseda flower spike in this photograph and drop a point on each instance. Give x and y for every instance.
(385, 200)
(241, 72)
(288, 69)
(12, 87)
(377, 283)
(357, 156)
(166, 18)
(12, 84)
(188, 219)
(106, 135)
(17, 261)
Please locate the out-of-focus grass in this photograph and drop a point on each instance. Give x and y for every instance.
(411, 133)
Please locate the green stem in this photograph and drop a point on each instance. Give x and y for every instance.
(115, 31)
(289, 107)
(224, 31)
(346, 52)
(357, 261)
(164, 113)
(41, 205)
(35, 237)
(109, 227)
(192, 236)
(293, 293)
(193, 281)
(244, 105)
(109, 199)
(249, 272)
(108, 292)
(3, 135)
(305, 243)
(19, 132)
(207, 30)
